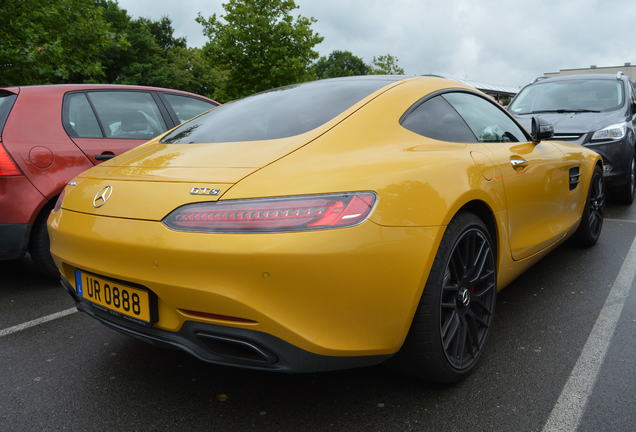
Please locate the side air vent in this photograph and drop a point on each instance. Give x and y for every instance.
(574, 177)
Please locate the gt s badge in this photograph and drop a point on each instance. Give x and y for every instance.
(204, 191)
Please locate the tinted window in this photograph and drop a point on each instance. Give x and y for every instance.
(576, 94)
(80, 119)
(485, 119)
(277, 113)
(6, 103)
(127, 114)
(187, 107)
(436, 119)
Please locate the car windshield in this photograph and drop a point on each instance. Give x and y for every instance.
(569, 95)
(277, 113)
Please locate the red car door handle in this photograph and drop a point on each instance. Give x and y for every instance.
(104, 156)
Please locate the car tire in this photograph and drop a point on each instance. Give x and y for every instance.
(455, 313)
(40, 248)
(625, 195)
(589, 229)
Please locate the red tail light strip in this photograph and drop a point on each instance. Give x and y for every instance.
(297, 213)
(7, 166)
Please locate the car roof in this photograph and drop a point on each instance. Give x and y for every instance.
(63, 88)
(579, 77)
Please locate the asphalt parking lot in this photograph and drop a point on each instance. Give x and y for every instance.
(551, 329)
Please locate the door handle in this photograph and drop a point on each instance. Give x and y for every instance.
(518, 163)
(104, 156)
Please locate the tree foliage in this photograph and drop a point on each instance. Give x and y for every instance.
(340, 63)
(256, 45)
(260, 45)
(56, 41)
(386, 65)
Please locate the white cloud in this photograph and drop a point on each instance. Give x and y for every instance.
(507, 43)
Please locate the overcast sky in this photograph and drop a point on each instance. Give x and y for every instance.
(494, 41)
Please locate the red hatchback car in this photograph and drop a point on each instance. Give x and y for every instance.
(51, 133)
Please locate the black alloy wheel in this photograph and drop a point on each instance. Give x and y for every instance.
(597, 205)
(589, 229)
(468, 298)
(455, 314)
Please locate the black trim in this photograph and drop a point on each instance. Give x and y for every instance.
(165, 113)
(169, 110)
(230, 346)
(15, 239)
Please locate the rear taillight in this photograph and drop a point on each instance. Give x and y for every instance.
(7, 166)
(295, 213)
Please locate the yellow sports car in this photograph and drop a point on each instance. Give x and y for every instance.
(325, 225)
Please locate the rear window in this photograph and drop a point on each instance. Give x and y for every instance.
(6, 103)
(277, 113)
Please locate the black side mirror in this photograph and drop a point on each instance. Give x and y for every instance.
(541, 129)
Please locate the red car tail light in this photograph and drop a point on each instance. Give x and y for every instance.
(7, 166)
(284, 214)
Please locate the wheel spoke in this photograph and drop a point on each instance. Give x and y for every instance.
(477, 319)
(460, 346)
(450, 329)
(473, 335)
(480, 263)
(480, 294)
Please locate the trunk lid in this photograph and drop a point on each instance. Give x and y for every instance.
(150, 181)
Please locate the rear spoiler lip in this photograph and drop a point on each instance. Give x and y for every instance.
(14, 90)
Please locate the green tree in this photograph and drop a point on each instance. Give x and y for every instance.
(340, 63)
(56, 41)
(386, 65)
(260, 45)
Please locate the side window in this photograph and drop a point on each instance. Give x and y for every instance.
(486, 120)
(187, 107)
(436, 119)
(127, 114)
(79, 118)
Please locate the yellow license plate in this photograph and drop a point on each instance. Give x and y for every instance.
(115, 296)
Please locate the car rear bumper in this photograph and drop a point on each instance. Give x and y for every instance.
(229, 346)
(348, 292)
(14, 240)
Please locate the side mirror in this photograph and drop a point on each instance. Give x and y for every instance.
(633, 108)
(541, 129)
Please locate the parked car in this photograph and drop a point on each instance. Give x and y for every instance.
(596, 111)
(325, 225)
(51, 133)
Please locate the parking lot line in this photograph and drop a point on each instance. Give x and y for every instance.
(619, 220)
(37, 321)
(567, 412)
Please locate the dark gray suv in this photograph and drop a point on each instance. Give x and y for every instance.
(597, 111)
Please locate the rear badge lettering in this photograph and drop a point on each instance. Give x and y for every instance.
(204, 191)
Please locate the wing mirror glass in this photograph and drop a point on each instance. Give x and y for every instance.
(541, 129)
